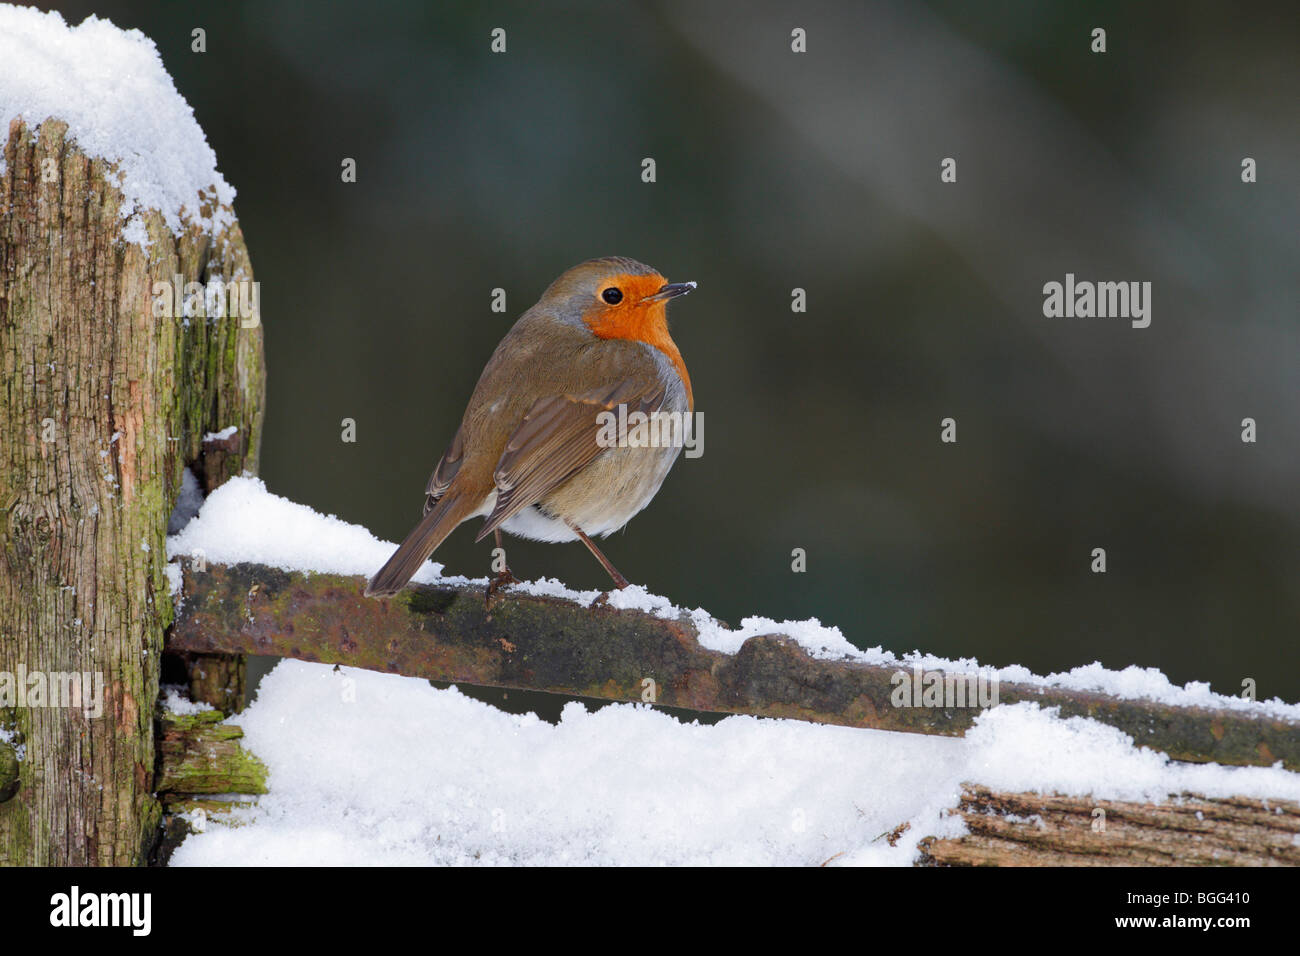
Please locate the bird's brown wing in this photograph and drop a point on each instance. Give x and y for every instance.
(444, 472)
(556, 439)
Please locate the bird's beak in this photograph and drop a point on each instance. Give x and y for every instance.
(671, 291)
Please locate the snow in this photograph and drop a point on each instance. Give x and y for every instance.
(13, 739)
(174, 701)
(817, 639)
(111, 88)
(136, 233)
(175, 583)
(1024, 747)
(222, 435)
(375, 769)
(242, 521)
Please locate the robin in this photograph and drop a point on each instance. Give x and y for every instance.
(532, 454)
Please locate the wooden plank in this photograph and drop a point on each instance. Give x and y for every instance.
(1030, 829)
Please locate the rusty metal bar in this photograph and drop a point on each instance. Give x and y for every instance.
(550, 644)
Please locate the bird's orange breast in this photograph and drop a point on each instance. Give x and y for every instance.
(641, 321)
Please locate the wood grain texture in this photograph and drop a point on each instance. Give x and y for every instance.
(1029, 829)
(101, 406)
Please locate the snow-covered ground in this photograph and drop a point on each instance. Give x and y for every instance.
(377, 769)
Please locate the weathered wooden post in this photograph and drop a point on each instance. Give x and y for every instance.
(106, 397)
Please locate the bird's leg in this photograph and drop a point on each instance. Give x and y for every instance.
(502, 577)
(620, 582)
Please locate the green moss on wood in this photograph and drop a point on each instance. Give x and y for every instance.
(197, 754)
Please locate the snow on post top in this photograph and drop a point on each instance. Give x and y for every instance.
(111, 88)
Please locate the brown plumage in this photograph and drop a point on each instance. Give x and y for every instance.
(527, 456)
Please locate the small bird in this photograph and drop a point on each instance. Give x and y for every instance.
(529, 454)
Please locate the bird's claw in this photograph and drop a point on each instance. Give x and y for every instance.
(499, 581)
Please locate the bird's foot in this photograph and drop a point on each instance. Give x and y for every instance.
(499, 580)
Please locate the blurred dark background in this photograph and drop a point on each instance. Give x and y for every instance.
(821, 171)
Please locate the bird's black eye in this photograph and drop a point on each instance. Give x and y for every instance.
(612, 296)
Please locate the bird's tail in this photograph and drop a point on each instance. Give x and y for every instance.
(441, 520)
